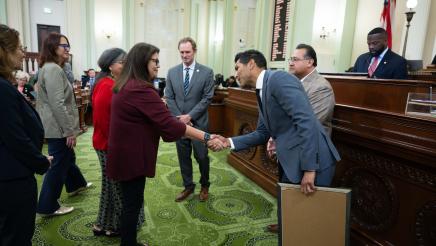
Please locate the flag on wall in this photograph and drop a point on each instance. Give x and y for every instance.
(386, 18)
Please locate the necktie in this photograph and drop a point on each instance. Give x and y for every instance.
(186, 83)
(373, 67)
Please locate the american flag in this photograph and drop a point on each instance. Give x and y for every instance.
(386, 18)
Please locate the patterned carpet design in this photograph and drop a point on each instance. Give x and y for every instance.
(236, 213)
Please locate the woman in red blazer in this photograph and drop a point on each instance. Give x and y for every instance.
(108, 219)
(138, 119)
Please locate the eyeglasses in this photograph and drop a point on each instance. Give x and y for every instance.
(155, 61)
(296, 59)
(121, 62)
(65, 46)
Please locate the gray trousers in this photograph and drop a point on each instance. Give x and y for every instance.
(184, 150)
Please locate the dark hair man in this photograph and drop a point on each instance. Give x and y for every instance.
(380, 62)
(305, 152)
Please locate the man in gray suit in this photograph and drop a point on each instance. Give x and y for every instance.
(189, 91)
(305, 152)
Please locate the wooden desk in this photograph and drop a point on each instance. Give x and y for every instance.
(216, 111)
(388, 158)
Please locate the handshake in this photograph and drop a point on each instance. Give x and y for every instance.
(218, 142)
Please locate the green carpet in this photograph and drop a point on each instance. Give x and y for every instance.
(235, 214)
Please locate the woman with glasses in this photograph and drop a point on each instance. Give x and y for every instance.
(57, 107)
(108, 218)
(21, 138)
(139, 119)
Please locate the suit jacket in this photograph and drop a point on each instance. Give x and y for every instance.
(85, 80)
(56, 103)
(21, 136)
(69, 72)
(321, 97)
(198, 98)
(287, 116)
(392, 66)
(138, 119)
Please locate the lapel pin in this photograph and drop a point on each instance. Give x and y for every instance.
(198, 70)
(385, 62)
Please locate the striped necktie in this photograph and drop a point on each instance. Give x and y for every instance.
(186, 83)
(373, 67)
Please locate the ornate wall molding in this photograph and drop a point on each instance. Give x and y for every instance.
(425, 225)
(250, 153)
(270, 164)
(374, 202)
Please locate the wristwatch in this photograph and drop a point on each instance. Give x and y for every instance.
(206, 137)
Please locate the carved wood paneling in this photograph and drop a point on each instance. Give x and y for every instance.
(374, 202)
(425, 226)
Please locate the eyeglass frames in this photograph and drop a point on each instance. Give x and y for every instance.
(296, 59)
(23, 48)
(155, 61)
(65, 46)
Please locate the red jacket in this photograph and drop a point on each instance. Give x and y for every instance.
(101, 112)
(139, 118)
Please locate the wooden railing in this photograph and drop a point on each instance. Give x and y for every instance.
(82, 102)
(30, 62)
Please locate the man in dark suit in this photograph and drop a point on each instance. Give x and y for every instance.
(189, 91)
(89, 80)
(305, 152)
(380, 62)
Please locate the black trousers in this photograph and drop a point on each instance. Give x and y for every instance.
(17, 211)
(184, 150)
(133, 198)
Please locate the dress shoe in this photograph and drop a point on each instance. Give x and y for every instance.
(97, 230)
(204, 194)
(274, 228)
(79, 190)
(61, 211)
(184, 194)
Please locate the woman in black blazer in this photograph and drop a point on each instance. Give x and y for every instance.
(21, 138)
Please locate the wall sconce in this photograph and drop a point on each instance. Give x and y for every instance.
(108, 33)
(325, 33)
(241, 43)
(411, 4)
